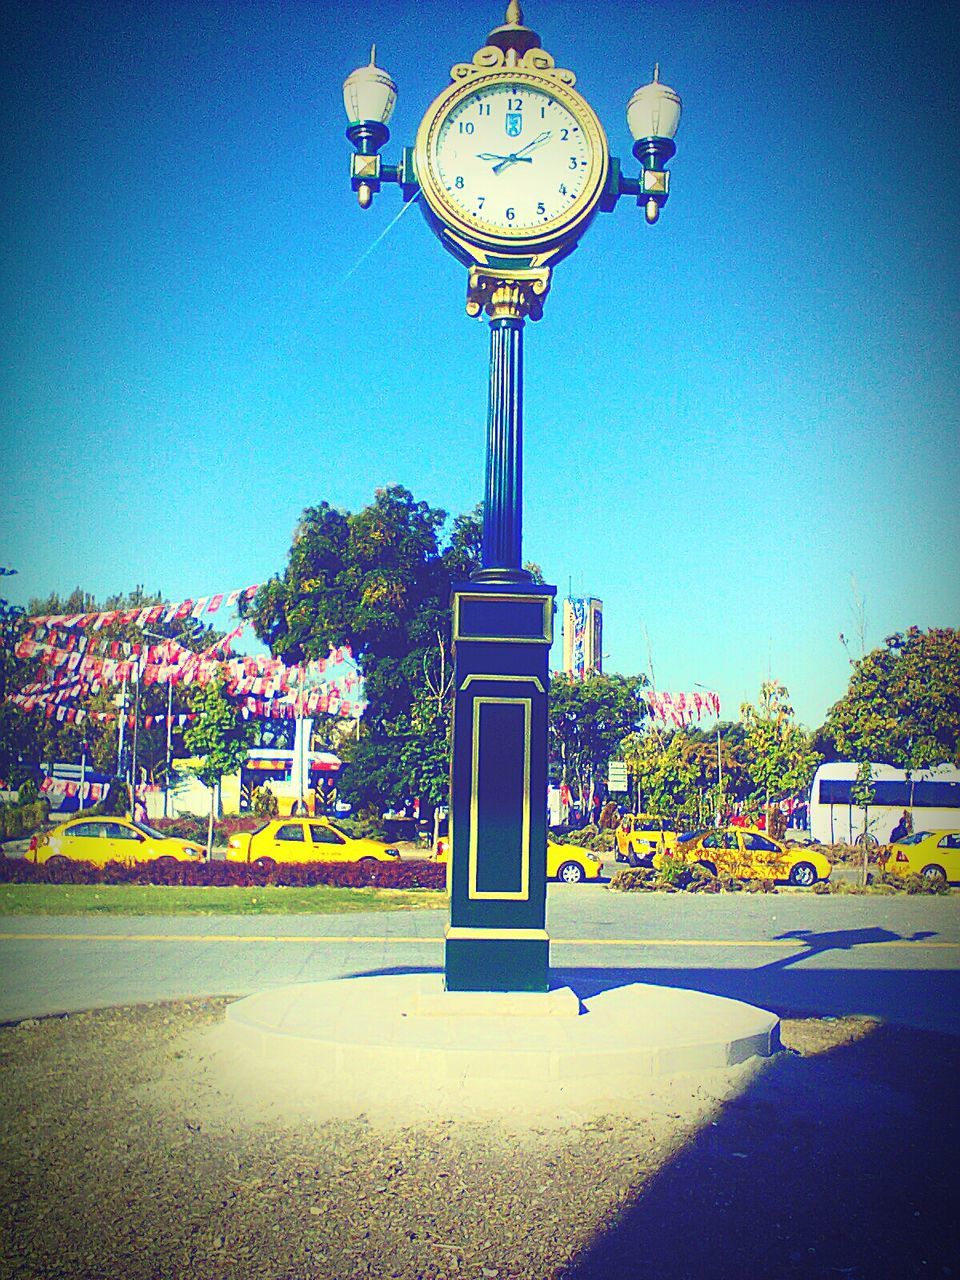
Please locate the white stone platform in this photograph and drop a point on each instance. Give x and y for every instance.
(398, 1030)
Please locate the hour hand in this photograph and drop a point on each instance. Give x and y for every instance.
(514, 158)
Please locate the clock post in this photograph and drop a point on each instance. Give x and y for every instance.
(511, 165)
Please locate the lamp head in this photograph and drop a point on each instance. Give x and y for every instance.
(654, 110)
(369, 94)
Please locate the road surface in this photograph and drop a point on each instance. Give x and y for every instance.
(897, 958)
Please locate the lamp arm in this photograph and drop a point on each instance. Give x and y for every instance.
(368, 171)
(651, 188)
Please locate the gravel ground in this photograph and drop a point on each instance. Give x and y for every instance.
(121, 1157)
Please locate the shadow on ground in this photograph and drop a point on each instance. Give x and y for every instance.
(835, 1165)
(926, 999)
(838, 1165)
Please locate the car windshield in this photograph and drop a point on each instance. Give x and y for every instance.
(915, 838)
(149, 831)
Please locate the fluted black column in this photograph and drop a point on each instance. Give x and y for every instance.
(502, 519)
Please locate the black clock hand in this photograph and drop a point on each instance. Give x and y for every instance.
(518, 155)
(487, 155)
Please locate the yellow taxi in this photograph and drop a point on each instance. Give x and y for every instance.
(641, 835)
(305, 840)
(102, 839)
(935, 855)
(565, 862)
(747, 854)
(570, 864)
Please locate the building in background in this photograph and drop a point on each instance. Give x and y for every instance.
(582, 636)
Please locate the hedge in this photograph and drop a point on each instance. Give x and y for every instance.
(22, 819)
(192, 827)
(349, 875)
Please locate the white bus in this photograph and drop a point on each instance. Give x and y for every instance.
(932, 796)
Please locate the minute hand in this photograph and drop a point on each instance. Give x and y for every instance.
(518, 155)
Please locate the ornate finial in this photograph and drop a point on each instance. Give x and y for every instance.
(373, 55)
(513, 34)
(656, 71)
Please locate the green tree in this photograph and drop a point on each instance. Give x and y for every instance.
(98, 738)
(14, 723)
(219, 736)
(780, 751)
(902, 706)
(379, 581)
(589, 718)
(665, 771)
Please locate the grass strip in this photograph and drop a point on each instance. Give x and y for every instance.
(206, 900)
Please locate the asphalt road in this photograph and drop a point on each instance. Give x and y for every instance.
(896, 958)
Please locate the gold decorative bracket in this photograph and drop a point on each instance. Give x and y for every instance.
(490, 58)
(514, 295)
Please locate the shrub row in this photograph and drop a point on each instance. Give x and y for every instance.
(884, 884)
(348, 875)
(686, 880)
(18, 820)
(193, 827)
(588, 837)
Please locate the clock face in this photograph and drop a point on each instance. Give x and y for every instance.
(513, 160)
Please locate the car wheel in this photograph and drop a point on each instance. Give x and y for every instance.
(865, 838)
(570, 873)
(166, 861)
(368, 861)
(264, 864)
(934, 874)
(58, 860)
(708, 866)
(803, 874)
(632, 859)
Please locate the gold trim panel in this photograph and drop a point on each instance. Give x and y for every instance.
(523, 893)
(546, 636)
(464, 933)
(534, 680)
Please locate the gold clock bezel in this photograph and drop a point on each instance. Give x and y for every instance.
(475, 229)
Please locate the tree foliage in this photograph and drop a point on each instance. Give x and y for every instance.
(589, 718)
(219, 736)
(902, 706)
(665, 772)
(781, 757)
(379, 581)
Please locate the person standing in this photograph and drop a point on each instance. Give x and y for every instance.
(902, 828)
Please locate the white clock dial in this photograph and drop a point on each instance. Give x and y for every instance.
(512, 158)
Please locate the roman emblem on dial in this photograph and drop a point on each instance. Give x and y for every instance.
(512, 159)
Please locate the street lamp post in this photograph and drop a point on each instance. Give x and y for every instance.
(154, 635)
(511, 165)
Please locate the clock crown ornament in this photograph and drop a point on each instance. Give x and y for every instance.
(512, 34)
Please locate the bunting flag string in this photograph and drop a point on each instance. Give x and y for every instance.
(76, 663)
(63, 787)
(683, 708)
(147, 615)
(265, 677)
(36, 639)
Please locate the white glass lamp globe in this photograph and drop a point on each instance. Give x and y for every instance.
(369, 93)
(654, 110)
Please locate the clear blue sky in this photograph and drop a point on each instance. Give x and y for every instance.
(727, 415)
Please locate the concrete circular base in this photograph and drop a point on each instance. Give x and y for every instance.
(407, 1028)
